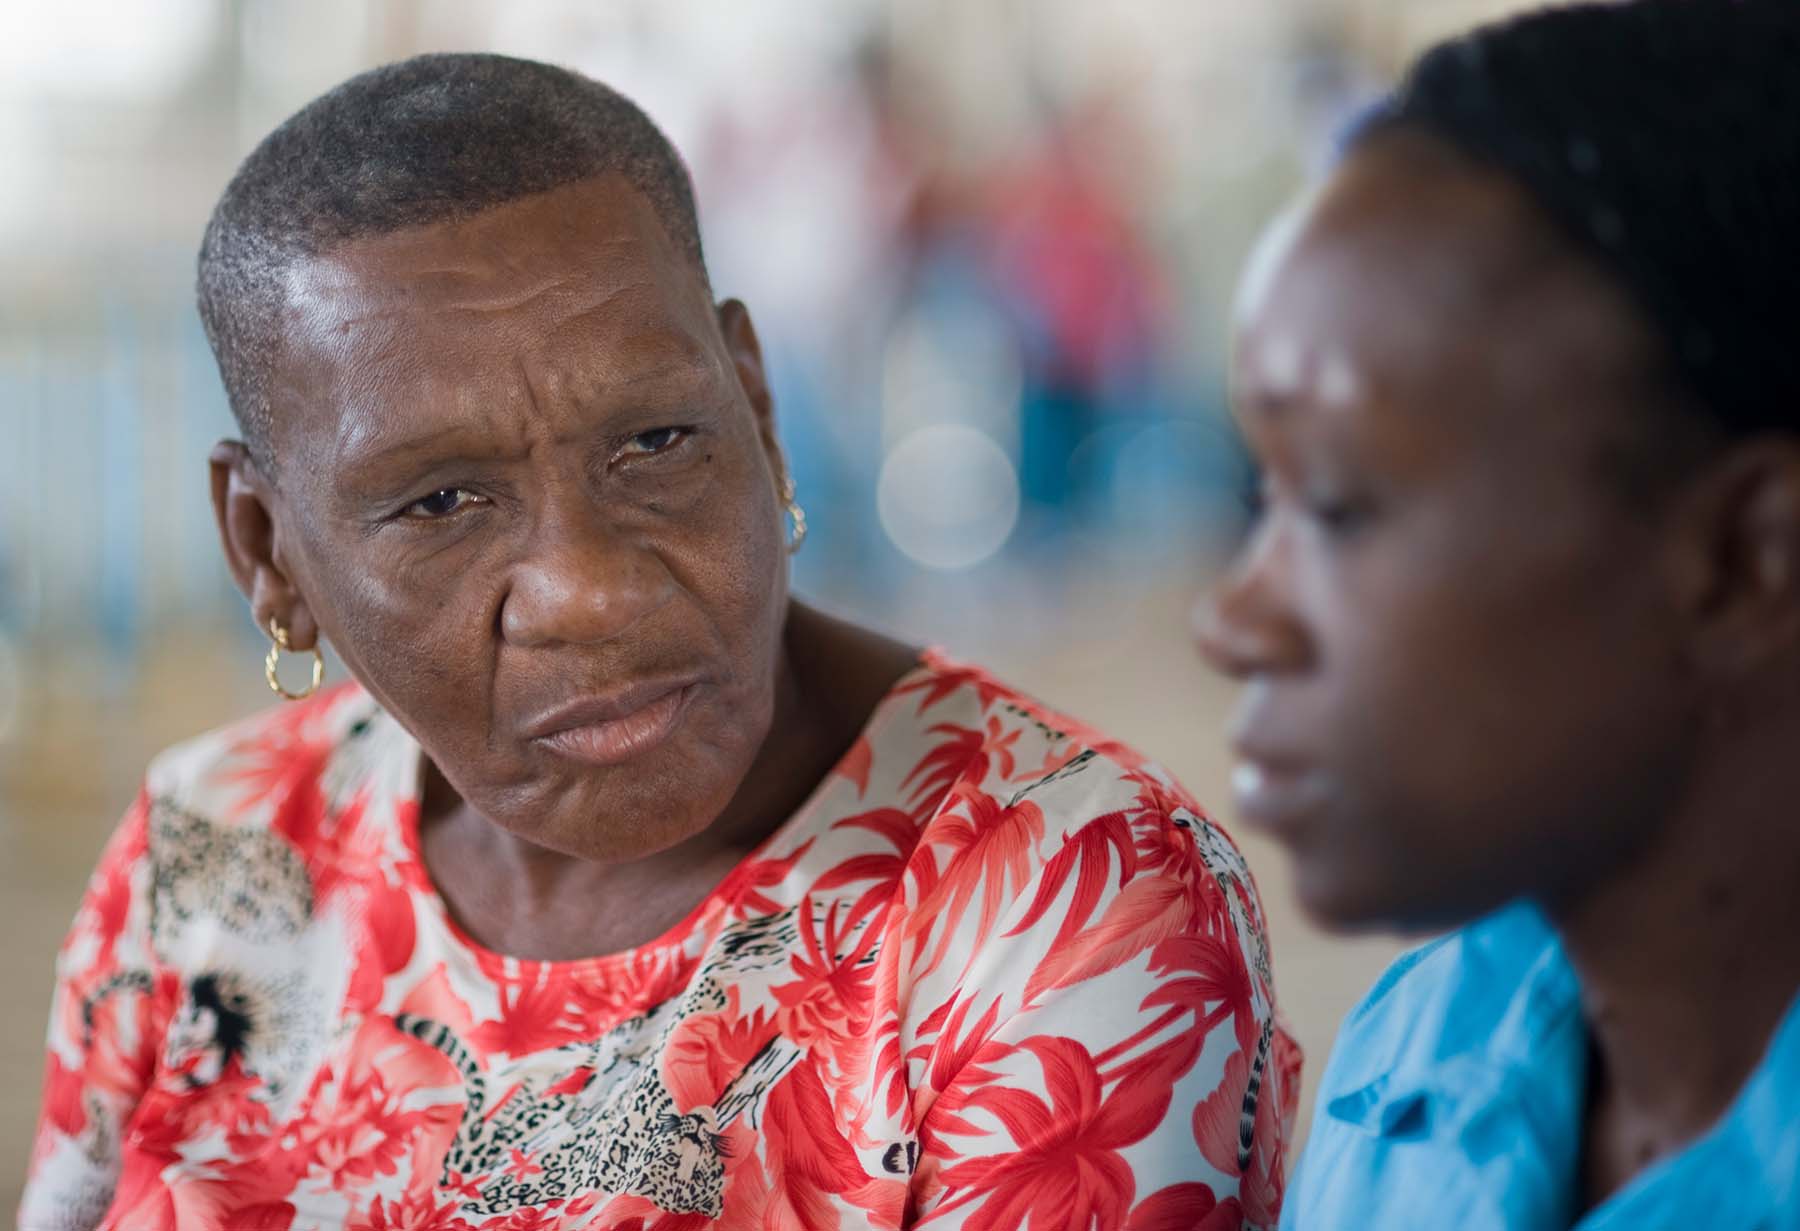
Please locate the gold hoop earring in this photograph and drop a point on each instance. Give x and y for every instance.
(794, 511)
(279, 636)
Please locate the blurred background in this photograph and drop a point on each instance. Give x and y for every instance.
(990, 246)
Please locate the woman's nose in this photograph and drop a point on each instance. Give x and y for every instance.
(1247, 626)
(582, 583)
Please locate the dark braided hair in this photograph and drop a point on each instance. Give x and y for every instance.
(426, 140)
(1663, 138)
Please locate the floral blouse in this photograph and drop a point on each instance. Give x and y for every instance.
(997, 972)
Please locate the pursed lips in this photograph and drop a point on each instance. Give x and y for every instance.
(617, 725)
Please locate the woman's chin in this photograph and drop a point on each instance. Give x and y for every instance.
(1350, 905)
(616, 816)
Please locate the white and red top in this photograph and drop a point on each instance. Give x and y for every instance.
(997, 972)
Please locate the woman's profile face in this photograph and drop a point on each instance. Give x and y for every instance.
(526, 486)
(1456, 628)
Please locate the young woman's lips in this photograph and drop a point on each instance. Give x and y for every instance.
(1275, 797)
(614, 740)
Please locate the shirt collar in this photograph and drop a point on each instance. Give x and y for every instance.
(1499, 1032)
(1761, 1130)
(1501, 1013)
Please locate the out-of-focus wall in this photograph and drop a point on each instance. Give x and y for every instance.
(990, 230)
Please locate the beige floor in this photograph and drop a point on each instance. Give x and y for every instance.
(1122, 665)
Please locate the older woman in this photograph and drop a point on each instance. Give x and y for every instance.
(618, 889)
(1521, 623)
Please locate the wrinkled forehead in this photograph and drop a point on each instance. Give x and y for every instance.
(581, 284)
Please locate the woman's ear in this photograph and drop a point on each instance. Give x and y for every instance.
(747, 362)
(245, 504)
(1744, 563)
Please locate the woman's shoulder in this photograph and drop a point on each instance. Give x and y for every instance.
(976, 736)
(1458, 1076)
(1017, 794)
(1492, 998)
(1071, 888)
(229, 774)
(1463, 985)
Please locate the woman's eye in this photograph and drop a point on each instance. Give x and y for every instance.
(1339, 516)
(442, 503)
(656, 441)
(1254, 496)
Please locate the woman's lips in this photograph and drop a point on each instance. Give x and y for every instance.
(1276, 798)
(616, 740)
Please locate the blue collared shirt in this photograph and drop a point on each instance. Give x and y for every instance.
(1454, 1099)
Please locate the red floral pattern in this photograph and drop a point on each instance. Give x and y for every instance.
(999, 973)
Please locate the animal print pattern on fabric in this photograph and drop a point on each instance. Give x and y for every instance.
(249, 880)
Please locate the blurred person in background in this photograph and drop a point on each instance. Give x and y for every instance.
(617, 888)
(1520, 623)
(1082, 284)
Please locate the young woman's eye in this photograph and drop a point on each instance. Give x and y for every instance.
(441, 504)
(657, 440)
(1253, 494)
(1339, 516)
